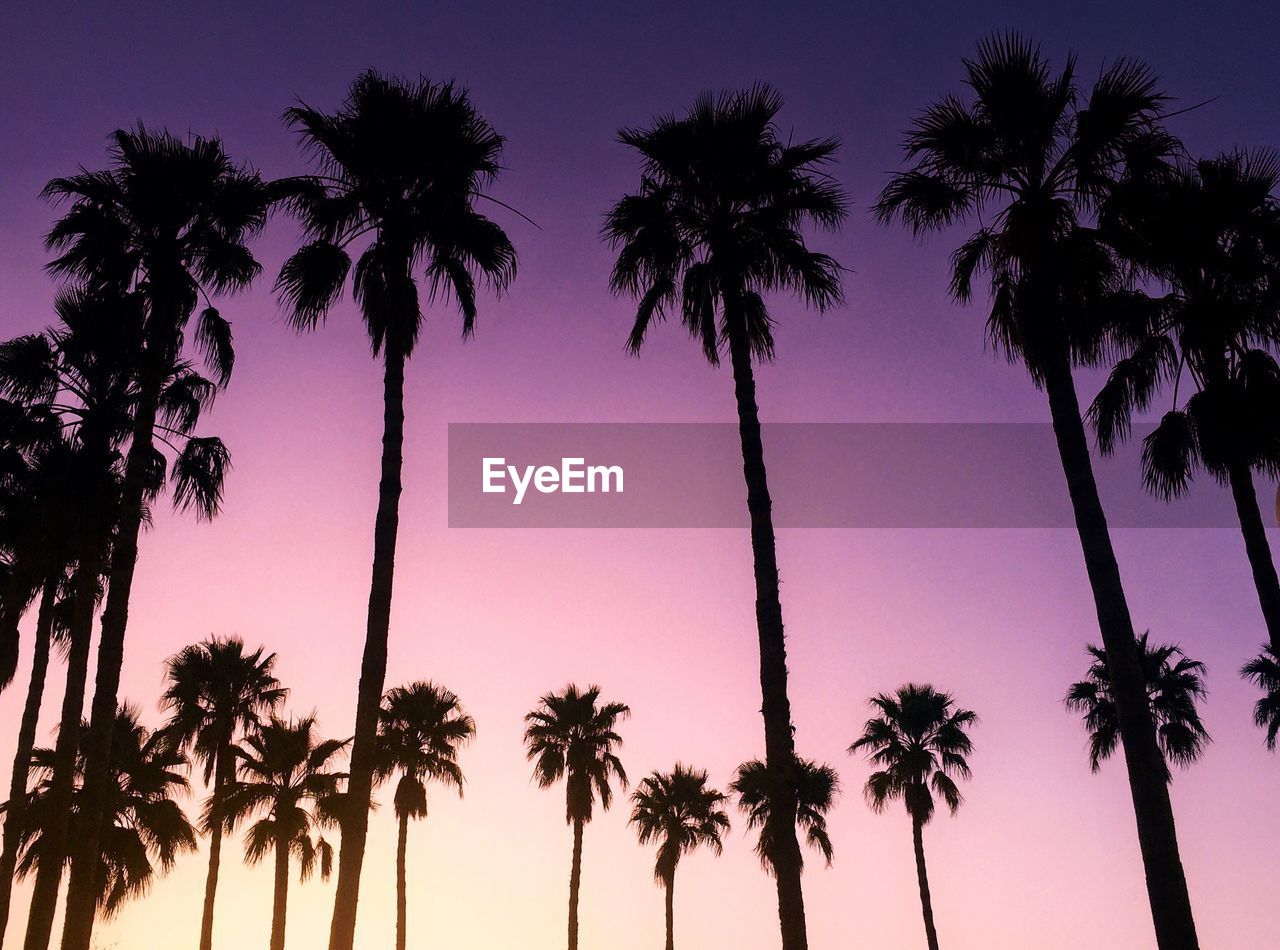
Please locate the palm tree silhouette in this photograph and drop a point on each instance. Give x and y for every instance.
(170, 222)
(401, 167)
(421, 728)
(714, 227)
(1264, 671)
(285, 778)
(145, 830)
(1209, 232)
(1030, 157)
(571, 735)
(1175, 683)
(216, 692)
(680, 813)
(919, 743)
(816, 789)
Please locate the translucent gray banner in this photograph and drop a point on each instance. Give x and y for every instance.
(821, 475)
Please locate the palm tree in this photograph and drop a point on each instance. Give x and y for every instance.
(401, 167)
(421, 728)
(1209, 232)
(680, 813)
(817, 787)
(169, 221)
(286, 779)
(715, 227)
(216, 693)
(1264, 671)
(919, 744)
(1029, 156)
(571, 735)
(1175, 683)
(145, 830)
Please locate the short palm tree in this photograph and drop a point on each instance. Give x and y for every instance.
(1028, 157)
(421, 728)
(401, 167)
(679, 812)
(714, 228)
(571, 735)
(145, 830)
(1264, 671)
(168, 222)
(286, 779)
(919, 742)
(216, 693)
(1175, 684)
(817, 787)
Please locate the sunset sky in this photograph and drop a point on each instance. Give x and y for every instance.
(1042, 854)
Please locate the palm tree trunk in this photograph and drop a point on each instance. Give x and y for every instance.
(280, 905)
(671, 912)
(53, 840)
(82, 890)
(220, 778)
(575, 882)
(1157, 837)
(373, 668)
(776, 708)
(1258, 549)
(17, 809)
(922, 875)
(402, 897)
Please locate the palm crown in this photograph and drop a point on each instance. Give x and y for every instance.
(422, 727)
(816, 788)
(1264, 671)
(681, 813)
(571, 736)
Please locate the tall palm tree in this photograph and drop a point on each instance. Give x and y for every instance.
(1209, 233)
(571, 735)
(714, 228)
(421, 728)
(169, 221)
(1175, 684)
(817, 787)
(145, 829)
(286, 779)
(216, 693)
(1264, 671)
(401, 167)
(1028, 155)
(679, 812)
(919, 743)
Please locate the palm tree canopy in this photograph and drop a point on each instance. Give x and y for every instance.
(422, 727)
(400, 166)
(286, 778)
(681, 813)
(1264, 671)
(144, 828)
(816, 788)
(723, 199)
(571, 735)
(216, 691)
(1029, 156)
(1175, 684)
(920, 743)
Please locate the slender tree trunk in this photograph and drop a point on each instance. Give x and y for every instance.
(280, 906)
(221, 776)
(776, 707)
(1157, 837)
(82, 890)
(671, 912)
(402, 896)
(1258, 549)
(16, 814)
(53, 840)
(575, 883)
(926, 903)
(373, 668)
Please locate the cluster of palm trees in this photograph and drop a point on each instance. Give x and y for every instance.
(1101, 242)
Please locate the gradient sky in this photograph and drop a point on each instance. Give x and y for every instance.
(1042, 854)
